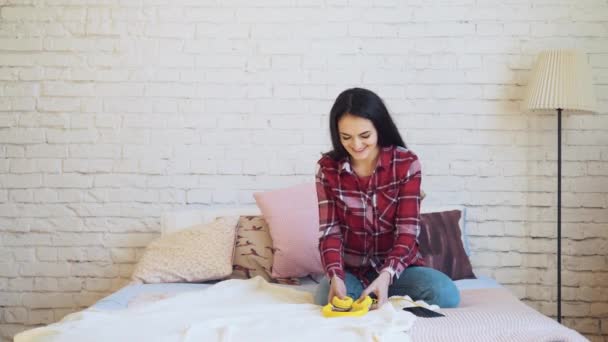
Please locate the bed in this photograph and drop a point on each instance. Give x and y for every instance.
(488, 312)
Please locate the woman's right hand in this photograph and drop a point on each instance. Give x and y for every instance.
(336, 288)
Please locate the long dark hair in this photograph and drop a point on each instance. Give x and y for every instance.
(366, 104)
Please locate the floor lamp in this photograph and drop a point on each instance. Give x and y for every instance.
(561, 80)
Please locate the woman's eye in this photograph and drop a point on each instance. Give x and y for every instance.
(365, 137)
(345, 138)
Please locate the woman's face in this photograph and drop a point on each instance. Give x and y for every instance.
(359, 137)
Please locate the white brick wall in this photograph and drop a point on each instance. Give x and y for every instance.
(114, 111)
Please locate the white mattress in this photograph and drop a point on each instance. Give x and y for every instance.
(487, 312)
(122, 298)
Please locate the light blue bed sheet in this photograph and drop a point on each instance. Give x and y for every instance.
(121, 298)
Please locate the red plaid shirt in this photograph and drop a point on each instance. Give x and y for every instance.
(374, 227)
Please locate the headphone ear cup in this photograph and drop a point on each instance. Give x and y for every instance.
(342, 304)
(364, 303)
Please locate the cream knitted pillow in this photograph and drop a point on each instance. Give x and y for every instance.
(199, 253)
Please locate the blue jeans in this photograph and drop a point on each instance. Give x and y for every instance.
(418, 282)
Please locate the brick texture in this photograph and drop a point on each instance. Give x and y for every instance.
(112, 112)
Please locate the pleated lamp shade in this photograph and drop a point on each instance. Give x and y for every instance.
(561, 79)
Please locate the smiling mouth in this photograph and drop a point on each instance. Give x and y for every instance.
(359, 151)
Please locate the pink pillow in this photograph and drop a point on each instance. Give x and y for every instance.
(293, 218)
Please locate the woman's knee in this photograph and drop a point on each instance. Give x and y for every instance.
(449, 298)
(430, 285)
(446, 294)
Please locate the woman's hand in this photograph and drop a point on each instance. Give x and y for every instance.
(336, 288)
(379, 287)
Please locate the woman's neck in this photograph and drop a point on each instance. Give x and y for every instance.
(366, 167)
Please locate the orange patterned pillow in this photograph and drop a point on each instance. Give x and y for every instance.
(253, 252)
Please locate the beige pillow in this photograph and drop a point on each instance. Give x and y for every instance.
(199, 253)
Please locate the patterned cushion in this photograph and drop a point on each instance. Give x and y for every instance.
(196, 254)
(254, 252)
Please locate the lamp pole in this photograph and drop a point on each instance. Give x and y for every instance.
(559, 215)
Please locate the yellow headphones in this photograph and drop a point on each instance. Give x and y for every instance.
(347, 307)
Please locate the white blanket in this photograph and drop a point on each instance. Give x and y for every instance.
(233, 310)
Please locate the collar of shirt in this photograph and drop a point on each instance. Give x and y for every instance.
(383, 161)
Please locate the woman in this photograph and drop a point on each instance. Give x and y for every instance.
(368, 189)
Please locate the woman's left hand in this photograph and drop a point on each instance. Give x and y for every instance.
(380, 288)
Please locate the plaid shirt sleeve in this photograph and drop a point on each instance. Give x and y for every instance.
(407, 222)
(330, 242)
